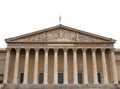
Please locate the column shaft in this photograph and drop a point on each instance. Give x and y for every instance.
(35, 79)
(26, 67)
(85, 67)
(105, 77)
(65, 67)
(55, 66)
(16, 68)
(75, 71)
(46, 67)
(6, 70)
(114, 67)
(94, 66)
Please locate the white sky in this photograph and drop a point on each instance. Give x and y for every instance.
(19, 17)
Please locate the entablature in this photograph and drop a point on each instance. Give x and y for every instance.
(62, 45)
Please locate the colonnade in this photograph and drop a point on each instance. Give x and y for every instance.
(75, 70)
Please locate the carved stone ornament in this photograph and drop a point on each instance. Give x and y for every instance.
(59, 35)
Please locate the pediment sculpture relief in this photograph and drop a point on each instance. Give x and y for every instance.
(59, 35)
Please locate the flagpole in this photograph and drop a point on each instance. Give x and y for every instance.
(60, 20)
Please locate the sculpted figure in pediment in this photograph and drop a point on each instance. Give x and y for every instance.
(60, 35)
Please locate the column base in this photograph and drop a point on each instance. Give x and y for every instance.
(24, 83)
(65, 83)
(55, 83)
(75, 83)
(45, 83)
(95, 83)
(86, 83)
(105, 83)
(35, 82)
(116, 82)
(5, 83)
(14, 83)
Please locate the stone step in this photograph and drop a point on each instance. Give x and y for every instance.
(1, 86)
(53, 86)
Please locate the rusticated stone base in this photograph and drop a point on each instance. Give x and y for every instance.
(64, 86)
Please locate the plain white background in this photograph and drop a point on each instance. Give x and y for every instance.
(19, 17)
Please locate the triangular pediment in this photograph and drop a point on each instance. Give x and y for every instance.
(60, 33)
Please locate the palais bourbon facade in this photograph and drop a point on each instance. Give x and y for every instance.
(59, 55)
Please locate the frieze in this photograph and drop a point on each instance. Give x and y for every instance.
(60, 35)
(60, 45)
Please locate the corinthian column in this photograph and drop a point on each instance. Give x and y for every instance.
(85, 66)
(6, 70)
(35, 79)
(26, 66)
(105, 77)
(46, 67)
(65, 67)
(75, 66)
(16, 68)
(114, 67)
(55, 66)
(94, 66)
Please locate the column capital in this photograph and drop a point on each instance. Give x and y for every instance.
(36, 49)
(46, 49)
(17, 49)
(84, 49)
(74, 49)
(55, 49)
(112, 49)
(8, 49)
(65, 49)
(27, 49)
(93, 49)
(103, 49)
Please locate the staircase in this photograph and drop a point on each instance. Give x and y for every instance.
(1, 86)
(53, 86)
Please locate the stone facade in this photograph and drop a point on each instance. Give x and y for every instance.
(60, 49)
(2, 63)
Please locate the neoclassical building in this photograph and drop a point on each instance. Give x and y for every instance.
(60, 55)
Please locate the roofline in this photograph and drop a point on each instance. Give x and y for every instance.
(117, 49)
(62, 26)
(104, 42)
(32, 33)
(2, 49)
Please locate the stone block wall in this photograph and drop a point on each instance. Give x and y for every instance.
(2, 63)
(117, 57)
